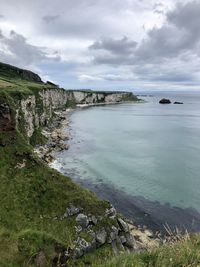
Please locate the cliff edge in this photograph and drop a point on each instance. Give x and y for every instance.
(45, 218)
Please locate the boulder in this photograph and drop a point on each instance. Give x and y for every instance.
(123, 225)
(72, 210)
(101, 237)
(82, 220)
(113, 234)
(111, 212)
(178, 103)
(93, 220)
(165, 101)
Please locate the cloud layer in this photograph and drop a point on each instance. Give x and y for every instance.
(99, 43)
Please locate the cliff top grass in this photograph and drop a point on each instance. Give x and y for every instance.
(33, 196)
(33, 199)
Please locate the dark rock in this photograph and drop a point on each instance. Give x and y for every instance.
(123, 225)
(82, 220)
(63, 255)
(93, 220)
(101, 237)
(130, 240)
(165, 101)
(72, 210)
(91, 246)
(178, 103)
(122, 239)
(83, 247)
(77, 253)
(113, 234)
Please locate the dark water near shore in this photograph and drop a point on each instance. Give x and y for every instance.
(143, 157)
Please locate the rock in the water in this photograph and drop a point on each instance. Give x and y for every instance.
(123, 225)
(82, 220)
(101, 237)
(165, 101)
(178, 103)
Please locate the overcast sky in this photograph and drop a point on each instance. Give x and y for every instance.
(118, 44)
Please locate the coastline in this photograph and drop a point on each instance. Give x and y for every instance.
(145, 214)
(56, 136)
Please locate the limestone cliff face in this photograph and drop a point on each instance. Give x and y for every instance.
(38, 109)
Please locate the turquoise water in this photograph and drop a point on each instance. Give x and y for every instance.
(144, 149)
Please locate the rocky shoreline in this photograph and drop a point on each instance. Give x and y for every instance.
(56, 137)
(126, 236)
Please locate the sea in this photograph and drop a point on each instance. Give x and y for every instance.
(143, 157)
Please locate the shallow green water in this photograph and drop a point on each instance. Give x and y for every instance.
(145, 149)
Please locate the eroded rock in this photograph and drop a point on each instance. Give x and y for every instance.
(123, 225)
(82, 220)
(101, 236)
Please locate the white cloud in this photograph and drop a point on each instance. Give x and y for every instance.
(135, 41)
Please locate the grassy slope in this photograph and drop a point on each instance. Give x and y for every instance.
(32, 197)
(185, 253)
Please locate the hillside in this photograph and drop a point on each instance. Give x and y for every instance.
(45, 218)
(39, 207)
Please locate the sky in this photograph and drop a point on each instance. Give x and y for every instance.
(102, 44)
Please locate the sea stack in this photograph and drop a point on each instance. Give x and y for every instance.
(165, 101)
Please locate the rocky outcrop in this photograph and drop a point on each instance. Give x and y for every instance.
(92, 232)
(178, 103)
(165, 101)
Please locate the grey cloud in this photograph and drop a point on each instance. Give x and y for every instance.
(49, 19)
(186, 16)
(1, 16)
(177, 40)
(178, 35)
(122, 46)
(16, 50)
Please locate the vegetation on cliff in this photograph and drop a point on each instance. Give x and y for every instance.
(34, 227)
(34, 198)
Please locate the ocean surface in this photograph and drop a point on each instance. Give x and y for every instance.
(143, 157)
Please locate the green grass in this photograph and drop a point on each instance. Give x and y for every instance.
(34, 197)
(185, 253)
